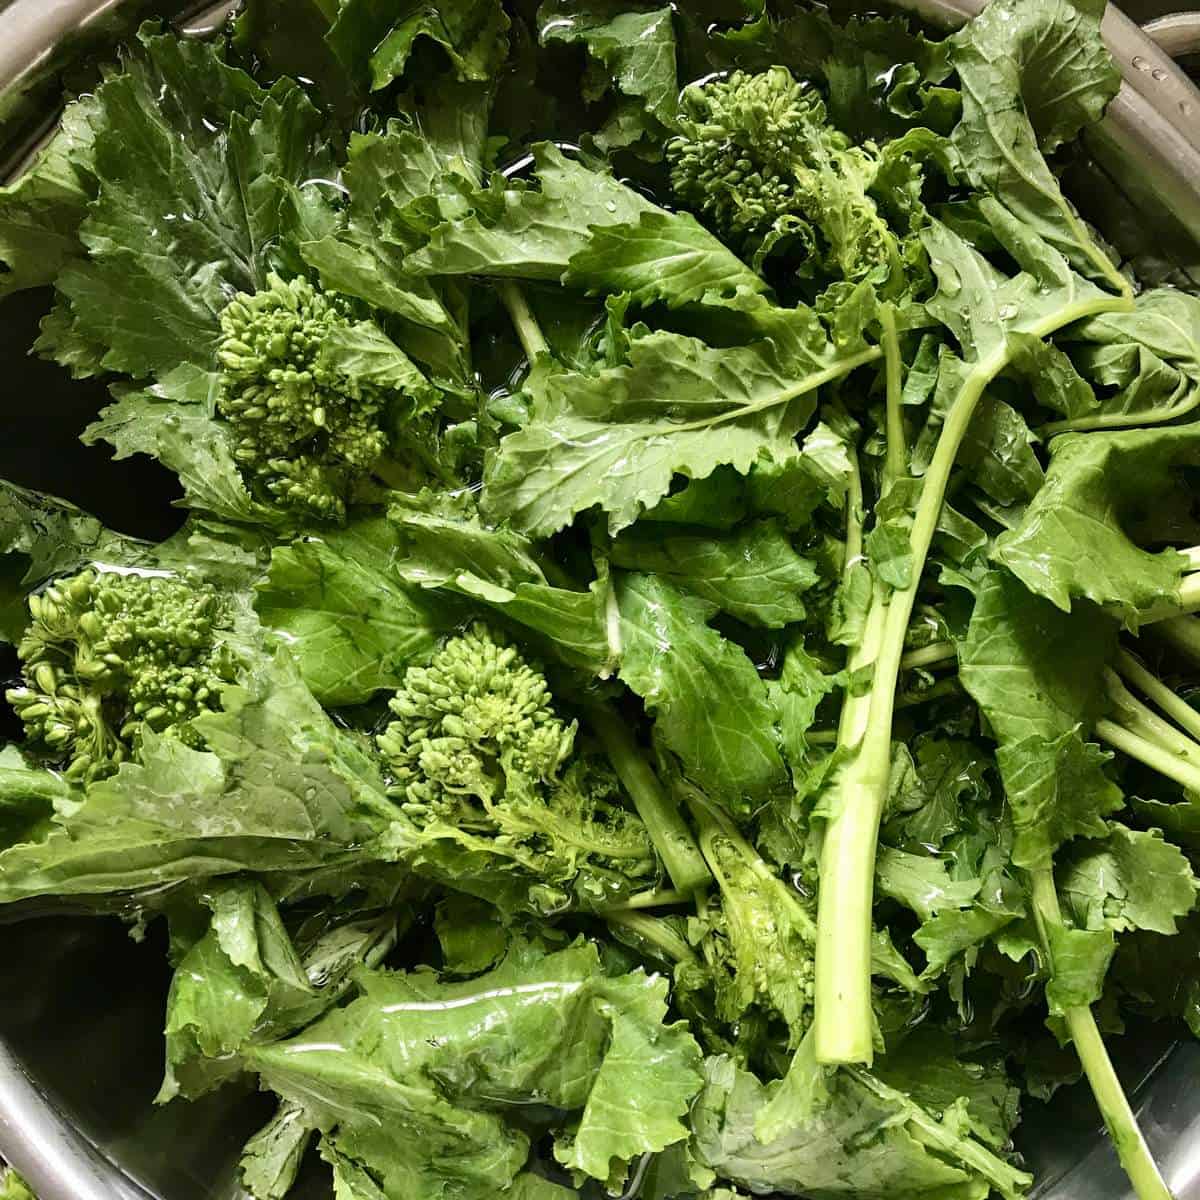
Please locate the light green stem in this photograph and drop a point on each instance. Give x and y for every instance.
(1153, 688)
(929, 656)
(529, 332)
(1188, 601)
(1141, 719)
(896, 462)
(843, 1015)
(664, 822)
(655, 933)
(1183, 633)
(658, 898)
(1119, 1117)
(1150, 754)
(1130, 420)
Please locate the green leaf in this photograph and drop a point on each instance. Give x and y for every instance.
(589, 230)
(174, 421)
(347, 619)
(514, 231)
(926, 1066)
(41, 212)
(1081, 959)
(998, 454)
(636, 48)
(664, 256)
(1131, 879)
(30, 795)
(921, 882)
(414, 1078)
(753, 574)
(1035, 671)
(617, 438)
(376, 39)
(868, 1139)
(272, 1157)
(1146, 361)
(446, 545)
(710, 706)
(1058, 791)
(1051, 374)
(42, 536)
(280, 788)
(1103, 492)
(183, 214)
(957, 931)
(1032, 75)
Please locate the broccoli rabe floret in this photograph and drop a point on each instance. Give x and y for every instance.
(758, 158)
(108, 654)
(306, 432)
(476, 717)
(479, 757)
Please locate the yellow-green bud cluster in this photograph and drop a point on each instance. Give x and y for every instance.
(107, 654)
(758, 158)
(305, 430)
(476, 708)
(735, 161)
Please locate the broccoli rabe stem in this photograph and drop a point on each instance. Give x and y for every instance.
(1110, 1096)
(655, 933)
(529, 332)
(1124, 420)
(1178, 709)
(664, 822)
(844, 1017)
(1182, 633)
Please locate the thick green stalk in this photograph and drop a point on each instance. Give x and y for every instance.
(1150, 754)
(529, 332)
(844, 1019)
(1110, 1096)
(897, 451)
(1139, 718)
(664, 823)
(1178, 709)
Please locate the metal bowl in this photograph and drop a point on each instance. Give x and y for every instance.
(81, 1005)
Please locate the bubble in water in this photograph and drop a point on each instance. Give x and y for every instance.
(1139, 63)
(1159, 74)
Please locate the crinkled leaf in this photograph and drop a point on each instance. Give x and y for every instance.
(617, 438)
(1131, 879)
(1079, 536)
(710, 706)
(753, 574)
(375, 40)
(347, 618)
(183, 213)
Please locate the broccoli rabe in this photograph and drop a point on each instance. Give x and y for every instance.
(306, 431)
(107, 654)
(758, 158)
(759, 939)
(479, 759)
